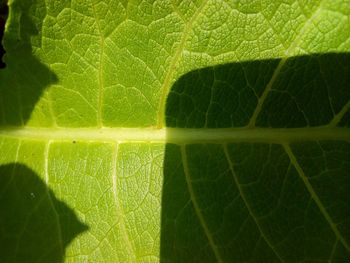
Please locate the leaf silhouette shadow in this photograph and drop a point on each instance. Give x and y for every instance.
(242, 200)
(24, 78)
(3, 16)
(34, 225)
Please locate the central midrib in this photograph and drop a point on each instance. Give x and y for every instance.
(181, 135)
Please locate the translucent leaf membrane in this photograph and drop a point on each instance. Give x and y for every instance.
(175, 131)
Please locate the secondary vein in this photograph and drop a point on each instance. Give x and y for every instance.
(266, 91)
(165, 88)
(247, 204)
(314, 196)
(46, 174)
(196, 206)
(289, 52)
(119, 208)
(100, 70)
(338, 117)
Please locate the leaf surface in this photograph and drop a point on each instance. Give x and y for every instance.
(177, 130)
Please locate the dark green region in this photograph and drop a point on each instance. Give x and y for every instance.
(258, 209)
(24, 78)
(3, 17)
(259, 202)
(34, 225)
(307, 92)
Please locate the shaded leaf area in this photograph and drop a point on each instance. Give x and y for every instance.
(24, 79)
(264, 201)
(305, 91)
(34, 225)
(3, 17)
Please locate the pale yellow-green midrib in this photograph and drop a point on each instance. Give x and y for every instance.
(181, 135)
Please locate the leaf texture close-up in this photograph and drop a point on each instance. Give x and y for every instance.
(175, 131)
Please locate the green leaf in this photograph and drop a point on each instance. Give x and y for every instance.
(175, 131)
(31, 212)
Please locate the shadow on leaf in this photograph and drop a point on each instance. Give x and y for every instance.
(34, 225)
(24, 79)
(3, 17)
(247, 201)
